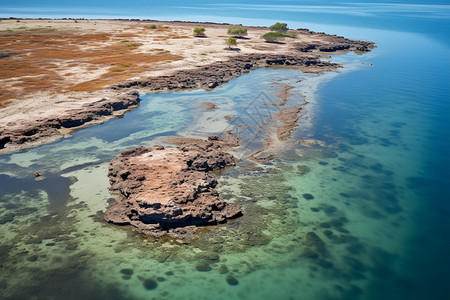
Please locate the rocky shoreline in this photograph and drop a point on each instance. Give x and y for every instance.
(213, 75)
(27, 133)
(171, 190)
(22, 135)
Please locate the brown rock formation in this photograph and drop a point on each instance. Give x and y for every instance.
(213, 75)
(171, 190)
(330, 43)
(23, 134)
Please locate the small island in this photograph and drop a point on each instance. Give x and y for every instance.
(171, 190)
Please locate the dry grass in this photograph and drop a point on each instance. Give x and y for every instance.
(43, 56)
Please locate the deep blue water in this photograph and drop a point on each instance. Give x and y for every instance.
(385, 168)
(430, 17)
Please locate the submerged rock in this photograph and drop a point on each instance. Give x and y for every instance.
(150, 284)
(171, 190)
(203, 267)
(127, 271)
(308, 196)
(232, 280)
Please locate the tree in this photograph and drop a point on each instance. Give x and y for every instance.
(231, 42)
(273, 37)
(279, 27)
(237, 31)
(199, 31)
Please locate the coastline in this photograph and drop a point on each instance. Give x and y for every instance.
(360, 217)
(46, 117)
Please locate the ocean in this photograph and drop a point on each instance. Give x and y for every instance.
(366, 216)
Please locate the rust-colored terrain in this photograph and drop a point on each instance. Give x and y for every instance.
(61, 60)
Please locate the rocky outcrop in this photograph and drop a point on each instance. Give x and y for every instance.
(171, 190)
(211, 76)
(51, 129)
(331, 43)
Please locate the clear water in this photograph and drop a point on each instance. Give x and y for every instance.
(380, 190)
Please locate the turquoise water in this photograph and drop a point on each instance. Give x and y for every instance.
(376, 227)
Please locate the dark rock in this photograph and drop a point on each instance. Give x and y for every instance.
(232, 280)
(203, 267)
(150, 284)
(127, 271)
(308, 196)
(325, 224)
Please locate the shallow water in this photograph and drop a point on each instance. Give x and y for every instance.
(364, 217)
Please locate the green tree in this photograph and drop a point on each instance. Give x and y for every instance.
(237, 31)
(273, 37)
(199, 31)
(231, 42)
(279, 27)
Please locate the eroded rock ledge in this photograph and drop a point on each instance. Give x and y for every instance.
(213, 75)
(171, 190)
(27, 133)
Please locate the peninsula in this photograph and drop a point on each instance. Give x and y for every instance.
(61, 75)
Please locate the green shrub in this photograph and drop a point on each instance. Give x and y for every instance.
(231, 42)
(237, 30)
(291, 34)
(199, 31)
(279, 27)
(152, 26)
(273, 37)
